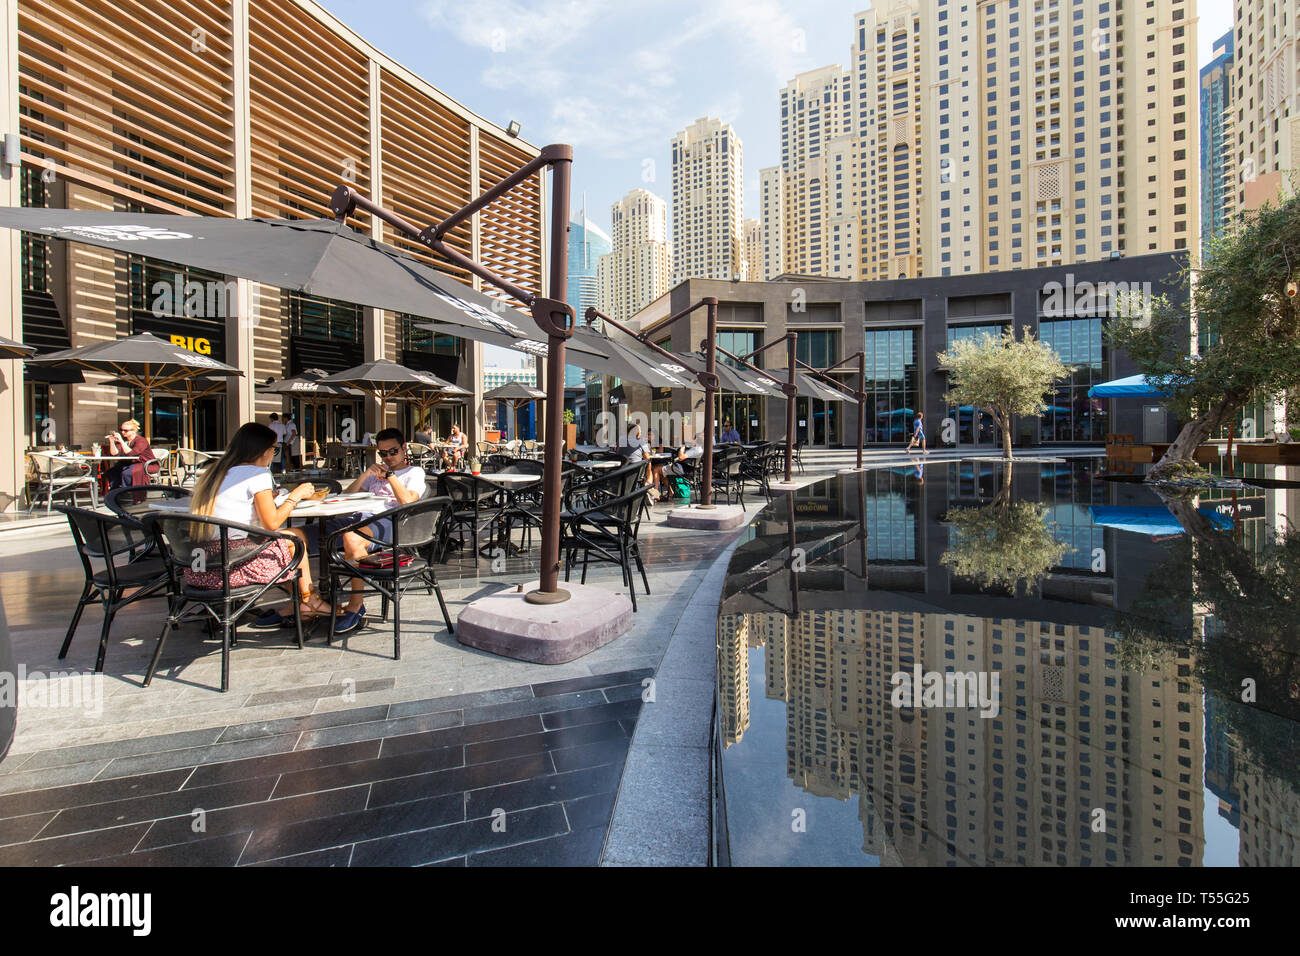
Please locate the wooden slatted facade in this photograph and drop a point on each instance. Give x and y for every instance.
(244, 107)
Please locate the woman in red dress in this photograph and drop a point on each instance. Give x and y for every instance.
(129, 441)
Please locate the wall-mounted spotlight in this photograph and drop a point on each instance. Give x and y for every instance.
(13, 150)
(513, 128)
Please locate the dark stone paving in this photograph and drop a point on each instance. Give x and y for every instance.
(517, 776)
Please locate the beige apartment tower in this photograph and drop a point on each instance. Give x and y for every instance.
(708, 210)
(639, 269)
(753, 250)
(771, 193)
(1057, 131)
(1266, 98)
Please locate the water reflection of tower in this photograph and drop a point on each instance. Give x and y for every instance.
(733, 676)
(1270, 819)
(821, 744)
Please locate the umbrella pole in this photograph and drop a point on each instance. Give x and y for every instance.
(548, 591)
(710, 389)
(790, 341)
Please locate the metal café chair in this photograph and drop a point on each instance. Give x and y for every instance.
(104, 539)
(190, 462)
(54, 475)
(180, 539)
(395, 566)
(605, 529)
(475, 504)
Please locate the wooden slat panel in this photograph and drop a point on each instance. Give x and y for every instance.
(309, 106)
(510, 232)
(125, 94)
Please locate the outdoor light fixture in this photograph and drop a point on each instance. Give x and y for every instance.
(1292, 289)
(13, 150)
(513, 128)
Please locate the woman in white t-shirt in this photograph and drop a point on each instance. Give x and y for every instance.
(238, 487)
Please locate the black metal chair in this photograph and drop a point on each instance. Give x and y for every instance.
(397, 566)
(132, 503)
(191, 542)
(104, 538)
(475, 504)
(798, 454)
(728, 475)
(605, 528)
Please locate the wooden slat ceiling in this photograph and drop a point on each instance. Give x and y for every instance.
(130, 94)
(309, 113)
(427, 171)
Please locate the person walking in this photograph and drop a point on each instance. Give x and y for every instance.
(918, 434)
(277, 426)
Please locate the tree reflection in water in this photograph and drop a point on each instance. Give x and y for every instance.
(1002, 543)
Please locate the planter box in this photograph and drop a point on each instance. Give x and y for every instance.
(492, 435)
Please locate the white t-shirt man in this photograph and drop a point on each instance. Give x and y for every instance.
(412, 478)
(234, 500)
(279, 429)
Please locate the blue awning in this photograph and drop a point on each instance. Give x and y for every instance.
(1133, 385)
(1154, 520)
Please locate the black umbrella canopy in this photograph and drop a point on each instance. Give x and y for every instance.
(321, 257)
(186, 388)
(732, 379)
(387, 381)
(812, 387)
(11, 349)
(631, 361)
(538, 347)
(307, 383)
(514, 392)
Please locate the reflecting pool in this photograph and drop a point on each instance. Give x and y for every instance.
(1038, 664)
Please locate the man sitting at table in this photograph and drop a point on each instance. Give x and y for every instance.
(130, 442)
(394, 480)
(458, 441)
(729, 434)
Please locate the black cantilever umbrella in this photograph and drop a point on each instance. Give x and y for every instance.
(11, 349)
(387, 381)
(141, 361)
(322, 257)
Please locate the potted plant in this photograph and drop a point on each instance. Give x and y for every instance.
(570, 429)
(473, 466)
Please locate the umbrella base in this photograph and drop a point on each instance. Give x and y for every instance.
(785, 485)
(717, 518)
(508, 624)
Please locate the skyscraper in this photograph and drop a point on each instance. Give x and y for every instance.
(639, 268)
(1062, 131)
(753, 250)
(771, 186)
(1218, 152)
(1266, 100)
(817, 169)
(587, 243)
(1005, 134)
(708, 238)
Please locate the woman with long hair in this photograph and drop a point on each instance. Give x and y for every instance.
(238, 487)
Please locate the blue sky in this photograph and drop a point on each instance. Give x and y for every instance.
(618, 79)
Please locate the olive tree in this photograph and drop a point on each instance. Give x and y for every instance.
(1004, 376)
(1244, 295)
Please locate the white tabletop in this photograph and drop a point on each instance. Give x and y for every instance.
(597, 464)
(512, 479)
(310, 508)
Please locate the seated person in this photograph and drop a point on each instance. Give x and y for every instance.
(459, 442)
(422, 434)
(636, 450)
(691, 452)
(395, 480)
(129, 441)
(238, 487)
(729, 434)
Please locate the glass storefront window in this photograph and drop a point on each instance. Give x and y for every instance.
(316, 318)
(892, 384)
(1072, 416)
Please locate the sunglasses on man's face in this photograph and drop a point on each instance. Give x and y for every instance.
(390, 452)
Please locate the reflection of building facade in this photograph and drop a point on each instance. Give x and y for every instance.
(733, 676)
(1077, 740)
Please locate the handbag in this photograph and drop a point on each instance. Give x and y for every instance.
(385, 560)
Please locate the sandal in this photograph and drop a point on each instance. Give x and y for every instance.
(311, 605)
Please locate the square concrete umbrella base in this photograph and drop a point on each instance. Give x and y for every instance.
(505, 623)
(718, 518)
(785, 486)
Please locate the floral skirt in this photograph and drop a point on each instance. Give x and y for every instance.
(271, 565)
